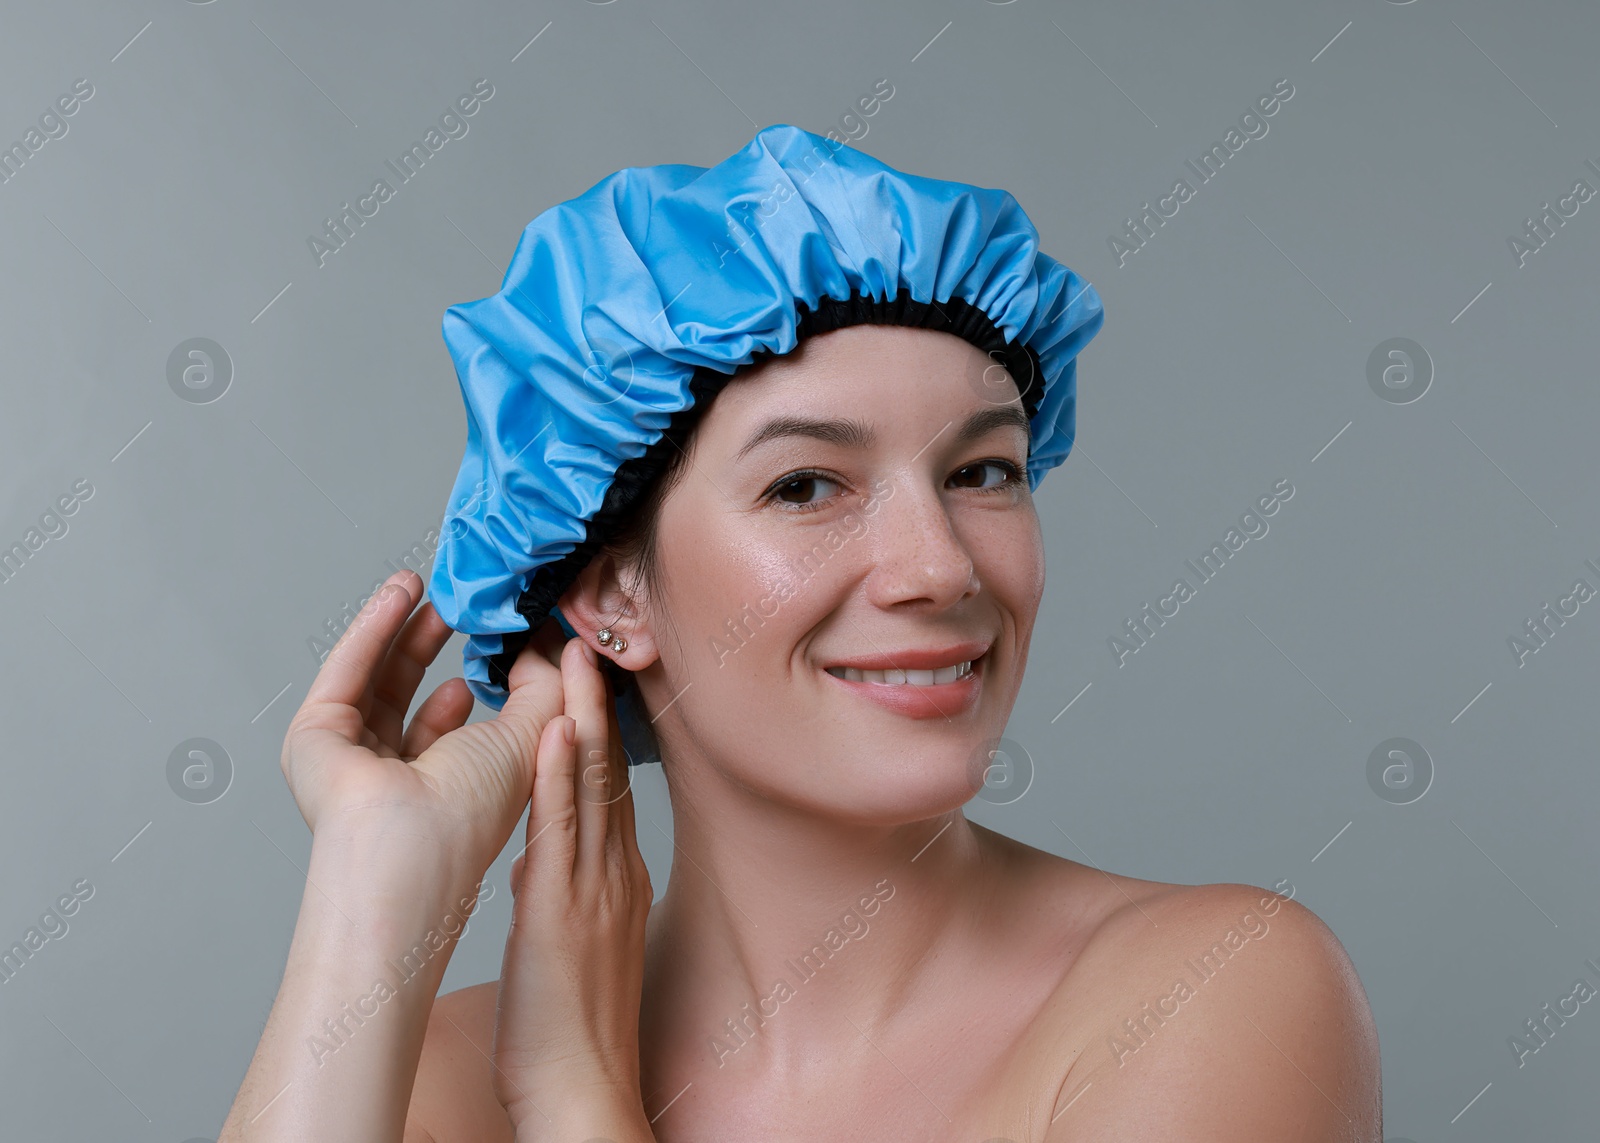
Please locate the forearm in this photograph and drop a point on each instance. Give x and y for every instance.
(338, 1057)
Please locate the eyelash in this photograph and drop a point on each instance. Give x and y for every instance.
(1014, 477)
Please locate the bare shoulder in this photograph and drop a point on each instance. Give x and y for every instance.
(1216, 1012)
(453, 1099)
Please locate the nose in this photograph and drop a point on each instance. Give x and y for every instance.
(919, 556)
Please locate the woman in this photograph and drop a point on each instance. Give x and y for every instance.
(820, 583)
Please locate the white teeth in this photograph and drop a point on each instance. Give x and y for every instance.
(894, 677)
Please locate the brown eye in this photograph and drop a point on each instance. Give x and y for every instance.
(798, 490)
(964, 476)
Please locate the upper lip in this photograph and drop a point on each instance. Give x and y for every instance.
(916, 658)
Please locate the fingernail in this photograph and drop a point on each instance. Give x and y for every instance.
(590, 654)
(568, 730)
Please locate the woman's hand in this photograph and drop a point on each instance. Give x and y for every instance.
(351, 762)
(566, 1049)
(405, 821)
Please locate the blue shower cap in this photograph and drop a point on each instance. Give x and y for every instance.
(635, 302)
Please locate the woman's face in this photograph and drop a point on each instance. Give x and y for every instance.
(862, 501)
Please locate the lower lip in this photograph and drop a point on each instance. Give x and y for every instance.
(942, 700)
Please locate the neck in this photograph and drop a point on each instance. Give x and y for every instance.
(778, 926)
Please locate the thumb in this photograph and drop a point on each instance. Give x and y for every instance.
(535, 696)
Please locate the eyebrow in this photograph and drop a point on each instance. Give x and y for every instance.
(856, 434)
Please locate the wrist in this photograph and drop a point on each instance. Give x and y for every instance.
(568, 1114)
(387, 893)
(377, 924)
(389, 855)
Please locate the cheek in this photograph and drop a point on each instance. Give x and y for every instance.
(745, 596)
(1030, 568)
(1010, 563)
(1037, 579)
(1008, 555)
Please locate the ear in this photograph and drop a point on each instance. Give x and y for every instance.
(597, 599)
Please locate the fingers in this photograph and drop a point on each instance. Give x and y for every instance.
(417, 645)
(516, 869)
(534, 682)
(588, 702)
(519, 864)
(549, 641)
(346, 674)
(553, 820)
(446, 709)
(581, 825)
(620, 838)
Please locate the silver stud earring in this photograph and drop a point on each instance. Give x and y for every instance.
(603, 636)
(619, 645)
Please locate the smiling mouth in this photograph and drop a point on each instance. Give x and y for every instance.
(908, 678)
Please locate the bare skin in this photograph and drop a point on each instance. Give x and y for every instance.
(988, 992)
(1021, 1050)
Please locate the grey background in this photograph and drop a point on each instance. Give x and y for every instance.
(221, 536)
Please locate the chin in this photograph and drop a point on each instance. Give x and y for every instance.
(887, 785)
